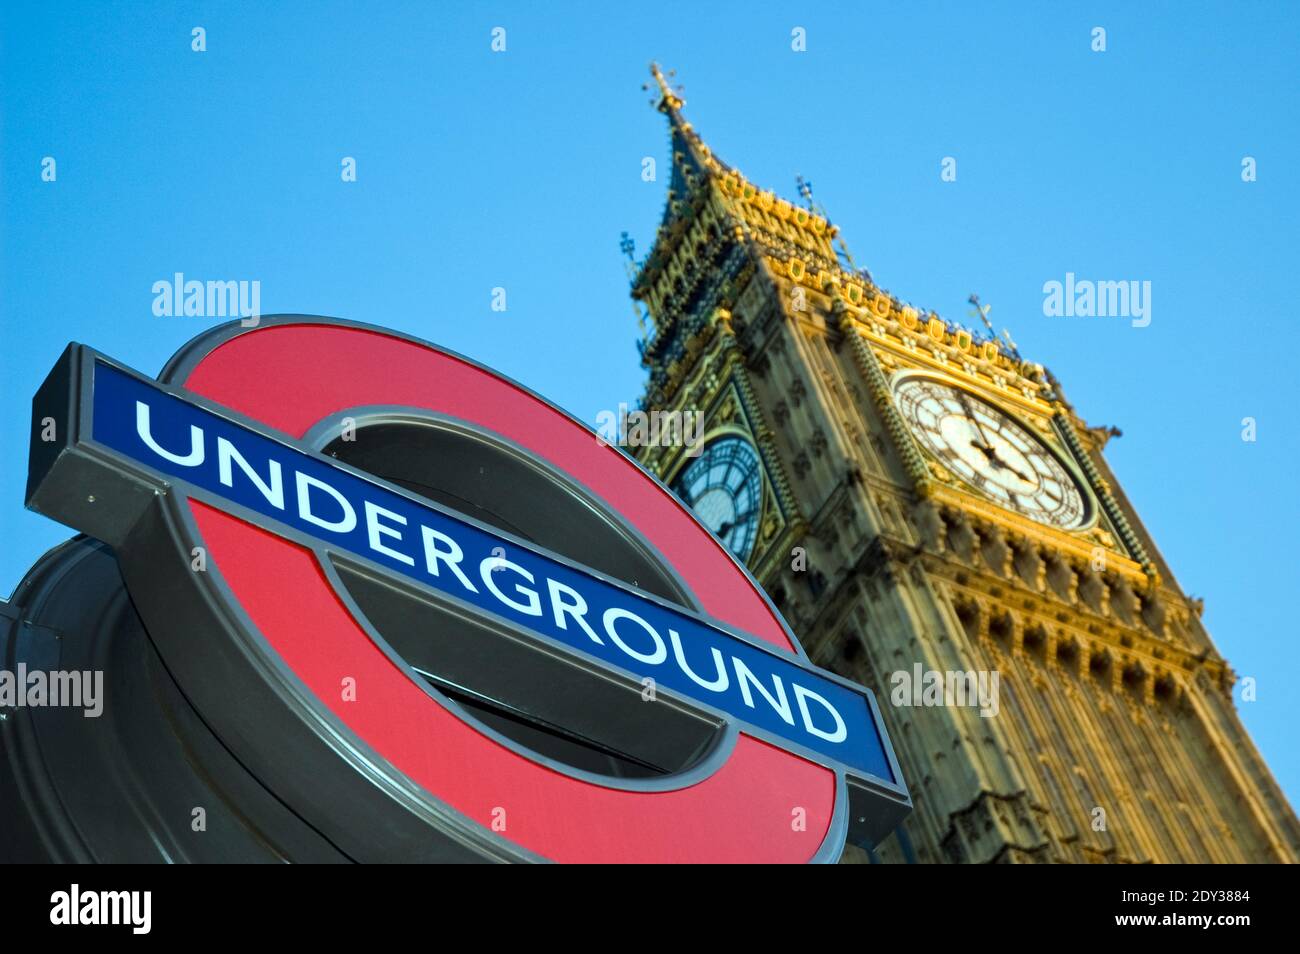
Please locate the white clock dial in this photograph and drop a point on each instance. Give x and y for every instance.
(992, 452)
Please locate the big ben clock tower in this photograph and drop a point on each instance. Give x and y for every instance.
(930, 513)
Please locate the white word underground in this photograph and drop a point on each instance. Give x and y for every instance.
(651, 429)
(932, 688)
(194, 299)
(439, 554)
(102, 907)
(1088, 299)
(75, 689)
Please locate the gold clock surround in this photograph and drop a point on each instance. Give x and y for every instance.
(1041, 437)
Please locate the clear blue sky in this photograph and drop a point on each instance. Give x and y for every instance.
(520, 169)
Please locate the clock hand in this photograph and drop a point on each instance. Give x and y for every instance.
(1019, 474)
(970, 416)
(1015, 471)
(729, 525)
(991, 454)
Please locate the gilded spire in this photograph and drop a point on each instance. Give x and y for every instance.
(687, 145)
(693, 163)
(668, 100)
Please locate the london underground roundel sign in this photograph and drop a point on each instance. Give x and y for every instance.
(439, 620)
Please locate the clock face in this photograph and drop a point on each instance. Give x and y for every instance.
(724, 486)
(992, 452)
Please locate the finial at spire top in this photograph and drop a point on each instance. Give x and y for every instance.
(668, 99)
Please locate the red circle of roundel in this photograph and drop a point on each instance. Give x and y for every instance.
(290, 377)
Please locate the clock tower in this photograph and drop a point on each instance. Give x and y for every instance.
(937, 522)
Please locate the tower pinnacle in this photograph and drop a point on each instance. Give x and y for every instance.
(668, 99)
